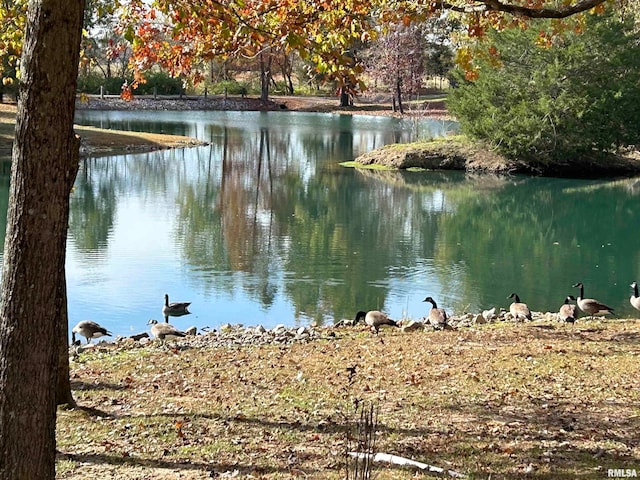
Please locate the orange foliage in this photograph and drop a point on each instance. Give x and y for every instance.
(322, 31)
(127, 93)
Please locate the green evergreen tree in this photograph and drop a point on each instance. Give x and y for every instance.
(555, 98)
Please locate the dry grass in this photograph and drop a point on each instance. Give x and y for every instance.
(503, 401)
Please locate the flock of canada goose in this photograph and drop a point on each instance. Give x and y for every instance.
(90, 329)
(437, 317)
(375, 319)
(568, 311)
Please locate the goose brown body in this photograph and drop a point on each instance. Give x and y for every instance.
(175, 309)
(375, 319)
(89, 330)
(568, 311)
(519, 309)
(591, 306)
(437, 316)
(164, 331)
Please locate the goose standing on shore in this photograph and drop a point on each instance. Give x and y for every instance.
(88, 329)
(437, 316)
(164, 331)
(590, 306)
(518, 309)
(375, 319)
(568, 312)
(175, 309)
(635, 299)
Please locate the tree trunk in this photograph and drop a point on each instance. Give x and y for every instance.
(44, 166)
(63, 386)
(345, 98)
(265, 76)
(287, 71)
(399, 95)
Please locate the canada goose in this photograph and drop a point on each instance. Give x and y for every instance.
(635, 299)
(175, 309)
(191, 331)
(568, 312)
(519, 309)
(88, 329)
(589, 305)
(139, 336)
(489, 314)
(437, 316)
(164, 331)
(374, 319)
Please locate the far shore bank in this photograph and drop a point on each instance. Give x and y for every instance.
(102, 142)
(451, 153)
(428, 106)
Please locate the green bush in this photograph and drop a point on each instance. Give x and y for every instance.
(91, 84)
(230, 87)
(160, 81)
(546, 104)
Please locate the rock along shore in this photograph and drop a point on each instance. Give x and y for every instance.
(234, 336)
(172, 103)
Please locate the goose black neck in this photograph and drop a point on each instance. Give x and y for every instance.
(635, 289)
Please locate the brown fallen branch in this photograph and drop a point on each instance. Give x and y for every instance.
(406, 462)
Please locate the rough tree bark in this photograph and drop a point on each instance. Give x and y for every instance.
(265, 75)
(44, 166)
(63, 386)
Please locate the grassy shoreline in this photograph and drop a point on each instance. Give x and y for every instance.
(536, 400)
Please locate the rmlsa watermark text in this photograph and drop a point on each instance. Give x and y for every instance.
(622, 473)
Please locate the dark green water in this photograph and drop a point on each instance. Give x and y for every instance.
(264, 227)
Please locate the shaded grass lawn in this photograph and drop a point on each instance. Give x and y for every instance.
(499, 401)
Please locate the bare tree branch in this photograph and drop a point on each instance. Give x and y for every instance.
(563, 11)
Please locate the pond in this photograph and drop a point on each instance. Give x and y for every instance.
(262, 226)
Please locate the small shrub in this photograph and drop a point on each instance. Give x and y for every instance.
(230, 87)
(91, 84)
(157, 82)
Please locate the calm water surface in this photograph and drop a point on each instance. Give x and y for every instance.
(263, 226)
